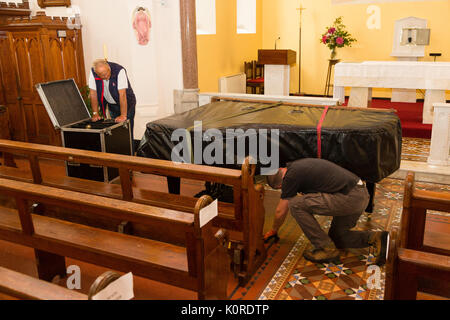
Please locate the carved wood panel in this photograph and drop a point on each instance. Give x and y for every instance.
(9, 87)
(30, 53)
(56, 57)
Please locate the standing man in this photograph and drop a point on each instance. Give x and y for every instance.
(316, 186)
(110, 89)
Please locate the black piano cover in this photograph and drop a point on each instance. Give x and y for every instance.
(364, 141)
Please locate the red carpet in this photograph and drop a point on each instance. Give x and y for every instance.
(410, 115)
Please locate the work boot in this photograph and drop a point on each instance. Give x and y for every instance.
(323, 255)
(379, 240)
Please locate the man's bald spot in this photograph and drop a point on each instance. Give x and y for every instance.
(102, 68)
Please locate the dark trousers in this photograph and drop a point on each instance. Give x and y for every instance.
(345, 210)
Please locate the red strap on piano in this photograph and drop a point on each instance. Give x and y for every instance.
(103, 92)
(319, 132)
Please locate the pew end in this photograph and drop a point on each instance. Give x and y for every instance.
(411, 264)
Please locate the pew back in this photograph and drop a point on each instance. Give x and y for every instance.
(245, 215)
(193, 266)
(18, 286)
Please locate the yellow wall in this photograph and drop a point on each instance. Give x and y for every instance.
(280, 18)
(224, 53)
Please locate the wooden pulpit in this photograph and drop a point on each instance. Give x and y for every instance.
(279, 57)
(277, 70)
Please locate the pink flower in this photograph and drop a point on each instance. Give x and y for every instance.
(324, 39)
(331, 30)
(340, 40)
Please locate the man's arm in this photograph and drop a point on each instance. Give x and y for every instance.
(123, 106)
(279, 218)
(94, 105)
(280, 214)
(93, 97)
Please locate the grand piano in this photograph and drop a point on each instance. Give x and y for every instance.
(367, 142)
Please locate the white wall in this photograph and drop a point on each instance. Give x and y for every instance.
(155, 70)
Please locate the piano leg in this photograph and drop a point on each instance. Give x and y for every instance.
(174, 185)
(371, 188)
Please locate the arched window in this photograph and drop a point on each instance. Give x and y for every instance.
(206, 16)
(246, 16)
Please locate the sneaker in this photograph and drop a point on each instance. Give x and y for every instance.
(272, 234)
(379, 240)
(322, 255)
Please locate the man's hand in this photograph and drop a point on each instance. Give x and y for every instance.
(95, 118)
(121, 118)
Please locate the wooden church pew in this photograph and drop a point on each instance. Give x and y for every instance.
(405, 267)
(245, 217)
(415, 205)
(200, 265)
(18, 286)
(410, 262)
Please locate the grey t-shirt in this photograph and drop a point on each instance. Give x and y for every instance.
(311, 175)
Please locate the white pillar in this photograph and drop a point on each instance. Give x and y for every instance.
(440, 137)
(360, 97)
(431, 97)
(339, 93)
(276, 79)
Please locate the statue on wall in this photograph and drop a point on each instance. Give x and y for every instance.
(142, 25)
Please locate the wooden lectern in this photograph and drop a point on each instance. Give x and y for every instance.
(283, 57)
(277, 70)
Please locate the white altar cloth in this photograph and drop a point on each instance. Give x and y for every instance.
(431, 76)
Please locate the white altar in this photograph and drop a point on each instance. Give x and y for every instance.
(434, 77)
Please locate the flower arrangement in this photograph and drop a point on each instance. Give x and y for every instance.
(337, 37)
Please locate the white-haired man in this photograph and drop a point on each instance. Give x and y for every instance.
(110, 89)
(315, 186)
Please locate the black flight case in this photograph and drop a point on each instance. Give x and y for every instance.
(68, 112)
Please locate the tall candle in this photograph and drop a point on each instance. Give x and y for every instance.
(105, 52)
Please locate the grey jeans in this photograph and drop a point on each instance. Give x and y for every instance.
(345, 210)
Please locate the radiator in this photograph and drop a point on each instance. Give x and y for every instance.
(233, 84)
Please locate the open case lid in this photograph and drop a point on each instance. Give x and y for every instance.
(63, 102)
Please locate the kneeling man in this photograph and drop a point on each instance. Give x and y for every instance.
(316, 186)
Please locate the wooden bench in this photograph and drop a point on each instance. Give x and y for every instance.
(409, 259)
(244, 217)
(200, 265)
(416, 202)
(19, 286)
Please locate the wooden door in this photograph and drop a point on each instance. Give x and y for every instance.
(9, 87)
(29, 65)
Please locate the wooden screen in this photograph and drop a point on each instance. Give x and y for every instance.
(30, 53)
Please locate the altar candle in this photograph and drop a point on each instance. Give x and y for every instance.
(105, 52)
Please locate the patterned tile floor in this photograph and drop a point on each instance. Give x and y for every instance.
(415, 149)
